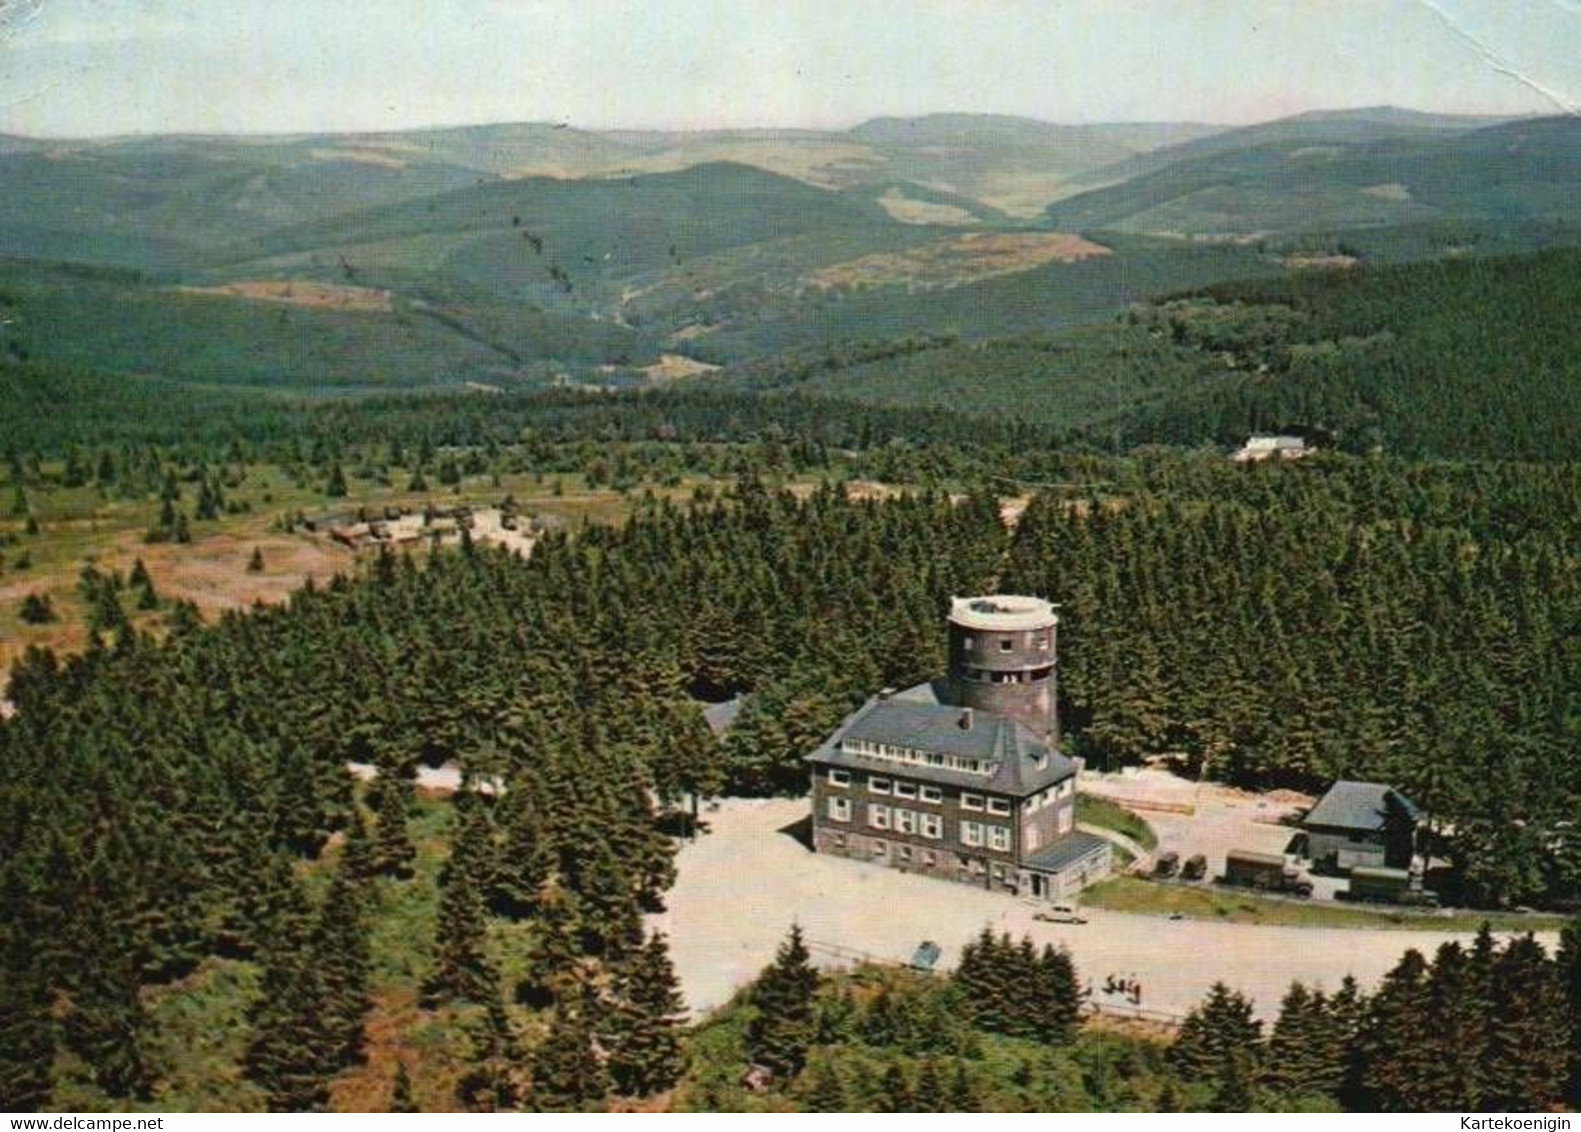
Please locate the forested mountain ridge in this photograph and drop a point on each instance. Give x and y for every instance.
(1430, 360)
(1319, 178)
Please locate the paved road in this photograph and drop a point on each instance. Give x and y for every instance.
(742, 885)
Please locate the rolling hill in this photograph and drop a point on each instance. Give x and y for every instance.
(1306, 176)
(1468, 358)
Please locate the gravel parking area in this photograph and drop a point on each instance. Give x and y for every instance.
(742, 885)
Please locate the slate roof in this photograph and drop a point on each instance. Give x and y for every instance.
(1367, 806)
(721, 717)
(1065, 852)
(915, 718)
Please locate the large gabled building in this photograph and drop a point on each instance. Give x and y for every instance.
(1361, 824)
(962, 777)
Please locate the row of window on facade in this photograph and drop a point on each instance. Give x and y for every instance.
(905, 854)
(932, 795)
(1039, 641)
(1051, 795)
(888, 752)
(914, 823)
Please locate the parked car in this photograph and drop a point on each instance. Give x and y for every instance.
(1059, 914)
(1195, 868)
(1165, 864)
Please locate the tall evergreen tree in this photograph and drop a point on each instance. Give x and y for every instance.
(1394, 1063)
(964, 1093)
(401, 1099)
(491, 1082)
(1216, 1032)
(568, 1075)
(341, 952)
(1530, 1030)
(781, 1029)
(644, 1044)
(462, 968)
(827, 1093)
(391, 799)
(27, 1030)
(929, 1094)
(1568, 962)
(894, 1090)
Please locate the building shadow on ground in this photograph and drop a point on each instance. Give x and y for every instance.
(800, 830)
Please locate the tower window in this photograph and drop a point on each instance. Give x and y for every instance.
(1006, 644)
(966, 644)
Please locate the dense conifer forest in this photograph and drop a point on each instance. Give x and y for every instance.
(179, 807)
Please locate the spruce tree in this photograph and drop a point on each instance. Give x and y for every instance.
(491, 1080)
(644, 1043)
(929, 1094)
(894, 1091)
(964, 1094)
(401, 1099)
(391, 800)
(342, 954)
(108, 1024)
(1393, 1062)
(1233, 1092)
(1215, 1032)
(462, 969)
(1459, 1018)
(27, 1031)
(827, 1093)
(553, 958)
(1568, 963)
(781, 1028)
(1529, 1031)
(567, 1073)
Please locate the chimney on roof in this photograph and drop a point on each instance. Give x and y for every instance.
(965, 722)
(885, 693)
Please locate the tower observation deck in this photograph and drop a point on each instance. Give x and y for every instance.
(1003, 656)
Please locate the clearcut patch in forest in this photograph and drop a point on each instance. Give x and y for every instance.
(301, 293)
(959, 260)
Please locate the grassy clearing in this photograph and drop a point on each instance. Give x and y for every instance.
(1109, 815)
(1212, 902)
(79, 526)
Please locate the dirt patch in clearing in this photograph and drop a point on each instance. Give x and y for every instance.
(213, 573)
(301, 293)
(671, 366)
(908, 210)
(1389, 190)
(367, 1086)
(959, 260)
(1320, 262)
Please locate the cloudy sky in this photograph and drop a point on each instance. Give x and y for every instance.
(84, 67)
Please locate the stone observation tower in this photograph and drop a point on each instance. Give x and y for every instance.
(1002, 658)
(961, 777)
